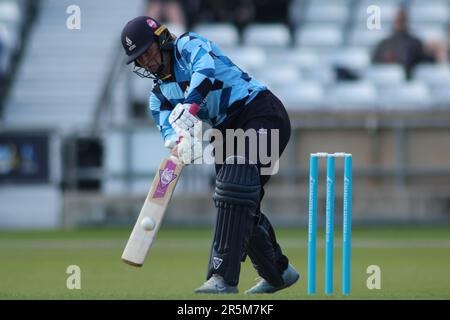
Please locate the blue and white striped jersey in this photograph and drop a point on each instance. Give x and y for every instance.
(202, 74)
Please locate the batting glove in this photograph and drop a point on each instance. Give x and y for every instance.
(189, 148)
(182, 120)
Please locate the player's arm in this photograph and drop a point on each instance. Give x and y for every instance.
(160, 109)
(180, 142)
(197, 54)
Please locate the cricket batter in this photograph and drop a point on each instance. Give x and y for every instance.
(193, 70)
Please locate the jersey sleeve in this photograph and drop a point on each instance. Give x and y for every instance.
(160, 109)
(197, 53)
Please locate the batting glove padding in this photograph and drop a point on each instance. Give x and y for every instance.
(189, 149)
(182, 120)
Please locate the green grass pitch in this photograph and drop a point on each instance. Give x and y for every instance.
(414, 262)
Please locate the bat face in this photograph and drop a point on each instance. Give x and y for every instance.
(154, 207)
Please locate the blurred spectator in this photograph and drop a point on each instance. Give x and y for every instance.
(167, 11)
(238, 12)
(441, 50)
(447, 46)
(271, 11)
(2, 62)
(402, 47)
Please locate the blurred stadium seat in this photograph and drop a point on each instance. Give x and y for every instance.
(323, 74)
(247, 58)
(269, 36)
(432, 74)
(278, 75)
(10, 12)
(10, 25)
(385, 74)
(327, 12)
(406, 96)
(352, 95)
(363, 37)
(435, 11)
(353, 58)
(301, 58)
(319, 37)
(224, 34)
(301, 96)
(440, 96)
(429, 32)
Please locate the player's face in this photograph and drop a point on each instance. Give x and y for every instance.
(151, 59)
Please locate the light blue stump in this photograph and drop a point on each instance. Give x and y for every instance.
(329, 225)
(312, 223)
(347, 227)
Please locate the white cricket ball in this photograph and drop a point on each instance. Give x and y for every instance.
(148, 224)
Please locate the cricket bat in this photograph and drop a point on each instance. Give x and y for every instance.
(154, 207)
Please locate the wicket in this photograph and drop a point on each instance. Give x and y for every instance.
(329, 221)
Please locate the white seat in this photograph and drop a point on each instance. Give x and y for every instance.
(278, 75)
(354, 58)
(247, 58)
(270, 35)
(441, 96)
(318, 37)
(10, 12)
(323, 74)
(385, 74)
(406, 96)
(352, 95)
(429, 11)
(432, 74)
(319, 12)
(301, 96)
(10, 38)
(429, 32)
(359, 37)
(223, 34)
(296, 57)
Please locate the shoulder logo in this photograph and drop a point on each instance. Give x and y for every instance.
(130, 44)
(152, 24)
